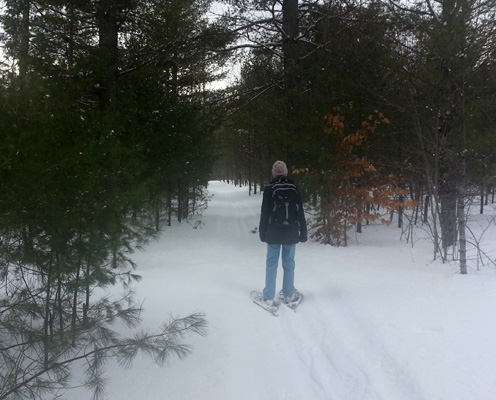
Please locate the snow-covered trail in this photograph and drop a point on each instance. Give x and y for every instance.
(377, 322)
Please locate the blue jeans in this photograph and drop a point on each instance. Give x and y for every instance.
(288, 265)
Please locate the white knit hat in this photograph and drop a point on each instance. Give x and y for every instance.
(279, 168)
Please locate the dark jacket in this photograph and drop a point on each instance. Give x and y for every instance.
(276, 234)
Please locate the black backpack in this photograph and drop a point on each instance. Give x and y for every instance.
(285, 197)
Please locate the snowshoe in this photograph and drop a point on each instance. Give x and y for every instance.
(271, 307)
(292, 303)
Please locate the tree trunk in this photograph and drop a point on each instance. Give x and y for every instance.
(447, 218)
(157, 215)
(24, 45)
(400, 213)
(107, 44)
(426, 209)
(290, 54)
(481, 201)
(47, 319)
(169, 203)
(74, 305)
(462, 234)
(289, 43)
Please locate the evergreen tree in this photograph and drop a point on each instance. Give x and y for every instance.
(104, 121)
(442, 51)
(428, 66)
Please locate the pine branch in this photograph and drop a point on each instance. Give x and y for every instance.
(159, 346)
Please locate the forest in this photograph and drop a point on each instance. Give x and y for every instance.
(115, 114)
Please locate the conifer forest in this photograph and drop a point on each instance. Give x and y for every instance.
(115, 114)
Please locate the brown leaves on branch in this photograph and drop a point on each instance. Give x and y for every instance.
(353, 190)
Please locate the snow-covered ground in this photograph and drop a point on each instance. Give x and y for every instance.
(380, 320)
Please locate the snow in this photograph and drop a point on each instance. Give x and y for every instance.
(380, 321)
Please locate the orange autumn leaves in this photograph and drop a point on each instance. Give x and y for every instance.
(352, 189)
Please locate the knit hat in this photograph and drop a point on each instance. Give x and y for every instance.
(279, 168)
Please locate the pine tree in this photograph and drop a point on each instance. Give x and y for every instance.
(105, 108)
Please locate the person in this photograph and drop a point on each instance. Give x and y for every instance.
(280, 237)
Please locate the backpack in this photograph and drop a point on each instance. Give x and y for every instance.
(285, 197)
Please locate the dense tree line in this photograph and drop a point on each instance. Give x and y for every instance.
(108, 131)
(427, 66)
(105, 134)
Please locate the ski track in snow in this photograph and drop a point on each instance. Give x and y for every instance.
(342, 360)
(326, 357)
(350, 339)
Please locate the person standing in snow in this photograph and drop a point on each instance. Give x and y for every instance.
(281, 232)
